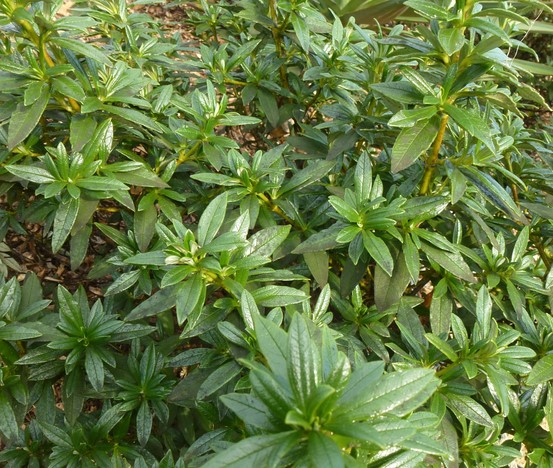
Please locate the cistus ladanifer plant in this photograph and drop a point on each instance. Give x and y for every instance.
(302, 240)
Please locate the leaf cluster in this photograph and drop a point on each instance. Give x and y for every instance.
(321, 243)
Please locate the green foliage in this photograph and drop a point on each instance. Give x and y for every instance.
(319, 243)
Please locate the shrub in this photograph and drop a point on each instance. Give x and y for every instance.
(324, 244)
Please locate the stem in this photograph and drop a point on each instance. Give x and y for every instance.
(74, 104)
(31, 34)
(40, 43)
(44, 53)
(63, 104)
(431, 161)
(276, 30)
(37, 40)
(447, 368)
(183, 156)
(276, 209)
(235, 82)
(543, 255)
(514, 188)
(214, 31)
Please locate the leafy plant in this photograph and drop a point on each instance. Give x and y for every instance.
(314, 242)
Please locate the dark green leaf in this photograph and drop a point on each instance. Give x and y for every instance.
(211, 220)
(428, 9)
(323, 451)
(484, 312)
(189, 296)
(302, 30)
(68, 87)
(34, 174)
(542, 371)
(442, 346)
(277, 296)
(396, 393)
(469, 408)
(255, 451)
(218, 378)
(100, 145)
(133, 116)
(304, 362)
(471, 122)
(15, 332)
(412, 142)
(441, 309)
(269, 106)
(318, 264)
(101, 184)
(94, 368)
(378, 250)
(159, 302)
(400, 91)
(494, 193)
(451, 262)
(388, 290)
(266, 241)
(322, 240)
(273, 342)
(8, 423)
(408, 118)
(363, 179)
(144, 421)
(314, 172)
(123, 282)
(249, 409)
(451, 39)
(56, 435)
(66, 215)
(83, 48)
(145, 226)
(24, 119)
(365, 376)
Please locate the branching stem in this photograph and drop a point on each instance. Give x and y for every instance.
(433, 158)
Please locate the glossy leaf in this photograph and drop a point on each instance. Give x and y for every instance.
(412, 142)
(66, 216)
(25, 118)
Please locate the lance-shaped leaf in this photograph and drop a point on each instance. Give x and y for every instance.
(494, 193)
(471, 122)
(379, 251)
(363, 179)
(83, 48)
(66, 215)
(304, 360)
(451, 262)
(35, 174)
(212, 218)
(255, 451)
(24, 119)
(190, 296)
(396, 393)
(468, 408)
(542, 371)
(314, 172)
(412, 142)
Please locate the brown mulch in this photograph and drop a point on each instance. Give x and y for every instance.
(33, 253)
(172, 19)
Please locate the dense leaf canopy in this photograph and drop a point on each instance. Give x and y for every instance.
(313, 240)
